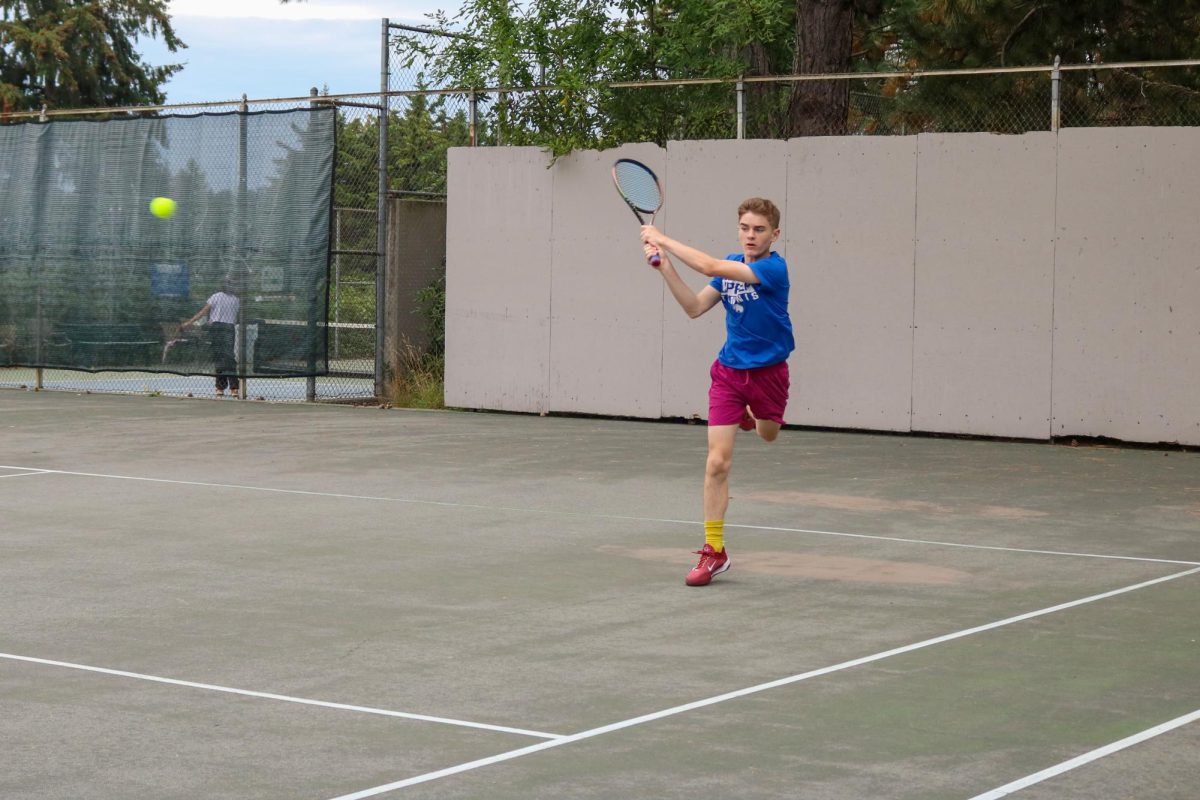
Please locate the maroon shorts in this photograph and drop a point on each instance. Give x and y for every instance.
(764, 389)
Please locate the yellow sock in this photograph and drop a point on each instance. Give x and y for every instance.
(714, 533)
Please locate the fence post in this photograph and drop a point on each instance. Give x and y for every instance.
(473, 110)
(39, 355)
(241, 274)
(385, 106)
(1055, 79)
(741, 109)
(310, 383)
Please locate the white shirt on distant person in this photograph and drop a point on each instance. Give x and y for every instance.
(223, 307)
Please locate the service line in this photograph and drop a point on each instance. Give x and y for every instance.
(620, 517)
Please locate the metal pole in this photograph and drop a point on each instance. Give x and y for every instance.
(241, 273)
(310, 381)
(473, 111)
(385, 114)
(1055, 110)
(337, 281)
(741, 109)
(37, 336)
(38, 322)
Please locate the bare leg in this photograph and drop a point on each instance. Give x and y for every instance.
(767, 429)
(716, 471)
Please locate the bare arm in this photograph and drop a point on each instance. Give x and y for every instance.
(701, 262)
(197, 315)
(693, 303)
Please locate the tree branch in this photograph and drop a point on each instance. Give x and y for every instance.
(1016, 28)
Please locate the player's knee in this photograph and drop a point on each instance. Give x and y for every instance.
(769, 431)
(718, 464)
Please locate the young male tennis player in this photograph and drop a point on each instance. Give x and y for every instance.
(750, 382)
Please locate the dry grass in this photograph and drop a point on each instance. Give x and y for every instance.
(419, 380)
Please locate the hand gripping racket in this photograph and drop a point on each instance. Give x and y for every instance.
(639, 187)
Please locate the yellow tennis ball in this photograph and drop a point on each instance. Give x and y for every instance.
(162, 207)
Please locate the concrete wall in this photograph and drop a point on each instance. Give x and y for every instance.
(851, 202)
(984, 284)
(606, 318)
(1127, 285)
(498, 256)
(1027, 286)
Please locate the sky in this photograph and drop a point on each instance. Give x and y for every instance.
(265, 49)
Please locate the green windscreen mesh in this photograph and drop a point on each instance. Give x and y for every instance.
(90, 279)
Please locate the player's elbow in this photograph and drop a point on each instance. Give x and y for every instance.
(708, 267)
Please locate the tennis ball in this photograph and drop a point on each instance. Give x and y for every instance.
(162, 207)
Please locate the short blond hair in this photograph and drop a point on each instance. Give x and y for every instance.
(763, 207)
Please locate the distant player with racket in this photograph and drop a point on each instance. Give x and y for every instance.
(222, 309)
(750, 381)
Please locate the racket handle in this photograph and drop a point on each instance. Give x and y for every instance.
(655, 260)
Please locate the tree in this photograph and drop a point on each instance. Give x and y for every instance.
(78, 54)
(581, 46)
(418, 138)
(933, 34)
(824, 43)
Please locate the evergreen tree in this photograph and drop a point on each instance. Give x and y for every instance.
(81, 53)
(941, 34)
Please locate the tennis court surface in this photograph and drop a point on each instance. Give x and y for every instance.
(206, 599)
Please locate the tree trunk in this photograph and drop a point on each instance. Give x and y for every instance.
(824, 36)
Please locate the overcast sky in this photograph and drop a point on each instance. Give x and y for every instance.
(264, 49)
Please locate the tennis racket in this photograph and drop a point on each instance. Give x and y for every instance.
(639, 188)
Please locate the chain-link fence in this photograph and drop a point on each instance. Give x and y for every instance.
(351, 318)
(1014, 100)
(373, 335)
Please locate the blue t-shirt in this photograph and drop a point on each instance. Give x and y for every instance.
(758, 329)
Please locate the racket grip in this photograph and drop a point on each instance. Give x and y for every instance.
(655, 260)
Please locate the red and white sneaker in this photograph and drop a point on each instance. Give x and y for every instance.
(748, 422)
(711, 563)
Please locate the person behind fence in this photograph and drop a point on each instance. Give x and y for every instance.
(750, 381)
(222, 309)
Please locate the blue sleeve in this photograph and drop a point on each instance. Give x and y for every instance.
(772, 272)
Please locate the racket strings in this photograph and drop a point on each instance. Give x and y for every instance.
(638, 185)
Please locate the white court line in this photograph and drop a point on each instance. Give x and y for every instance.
(23, 474)
(1087, 758)
(967, 546)
(662, 521)
(285, 698)
(762, 687)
